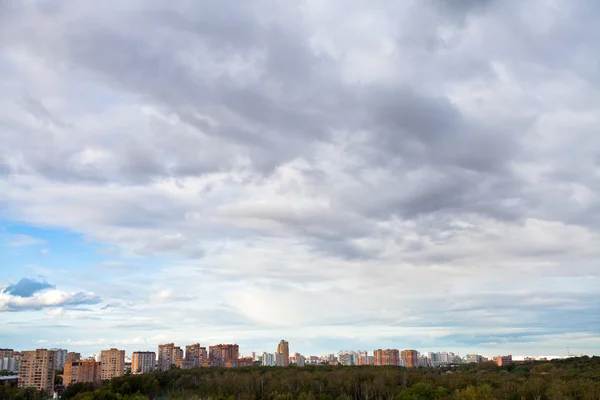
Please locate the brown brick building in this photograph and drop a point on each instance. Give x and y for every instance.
(113, 363)
(72, 357)
(386, 357)
(169, 354)
(411, 358)
(503, 360)
(223, 355)
(82, 371)
(7, 353)
(37, 370)
(195, 356)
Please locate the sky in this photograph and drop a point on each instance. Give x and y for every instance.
(342, 174)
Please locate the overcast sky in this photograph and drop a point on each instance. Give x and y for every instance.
(343, 174)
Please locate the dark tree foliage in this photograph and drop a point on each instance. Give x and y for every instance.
(576, 378)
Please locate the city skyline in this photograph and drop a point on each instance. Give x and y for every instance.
(342, 174)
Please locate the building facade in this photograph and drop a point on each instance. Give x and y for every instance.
(7, 353)
(113, 363)
(37, 370)
(142, 362)
(223, 355)
(284, 349)
(386, 357)
(10, 364)
(88, 370)
(169, 354)
(72, 356)
(61, 358)
(474, 358)
(195, 356)
(503, 360)
(411, 358)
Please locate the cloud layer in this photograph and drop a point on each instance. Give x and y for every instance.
(31, 295)
(423, 169)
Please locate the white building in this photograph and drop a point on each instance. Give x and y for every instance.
(268, 359)
(10, 364)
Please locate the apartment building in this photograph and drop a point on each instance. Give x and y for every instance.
(223, 355)
(88, 370)
(7, 353)
(61, 358)
(411, 358)
(113, 363)
(142, 362)
(169, 354)
(37, 370)
(386, 357)
(503, 360)
(284, 349)
(195, 356)
(72, 356)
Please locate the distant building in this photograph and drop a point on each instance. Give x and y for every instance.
(142, 362)
(113, 363)
(300, 360)
(223, 355)
(72, 357)
(169, 354)
(268, 359)
(195, 356)
(245, 362)
(37, 370)
(386, 357)
(7, 353)
(474, 358)
(10, 364)
(284, 349)
(61, 358)
(411, 357)
(503, 360)
(82, 371)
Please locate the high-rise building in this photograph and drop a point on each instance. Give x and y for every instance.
(411, 357)
(503, 360)
(142, 362)
(284, 349)
(386, 357)
(223, 355)
(113, 363)
(37, 370)
(195, 356)
(88, 370)
(61, 358)
(72, 357)
(300, 360)
(169, 354)
(268, 360)
(474, 358)
(10, 364)
(7, 353)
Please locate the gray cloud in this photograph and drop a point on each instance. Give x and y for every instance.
(320, 151)
(27, 287)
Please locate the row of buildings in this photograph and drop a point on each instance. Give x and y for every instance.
(37, 368)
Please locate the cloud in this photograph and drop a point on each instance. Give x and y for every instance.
(27, 287)
(423, 168)
(28, 294)
(20, 240)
